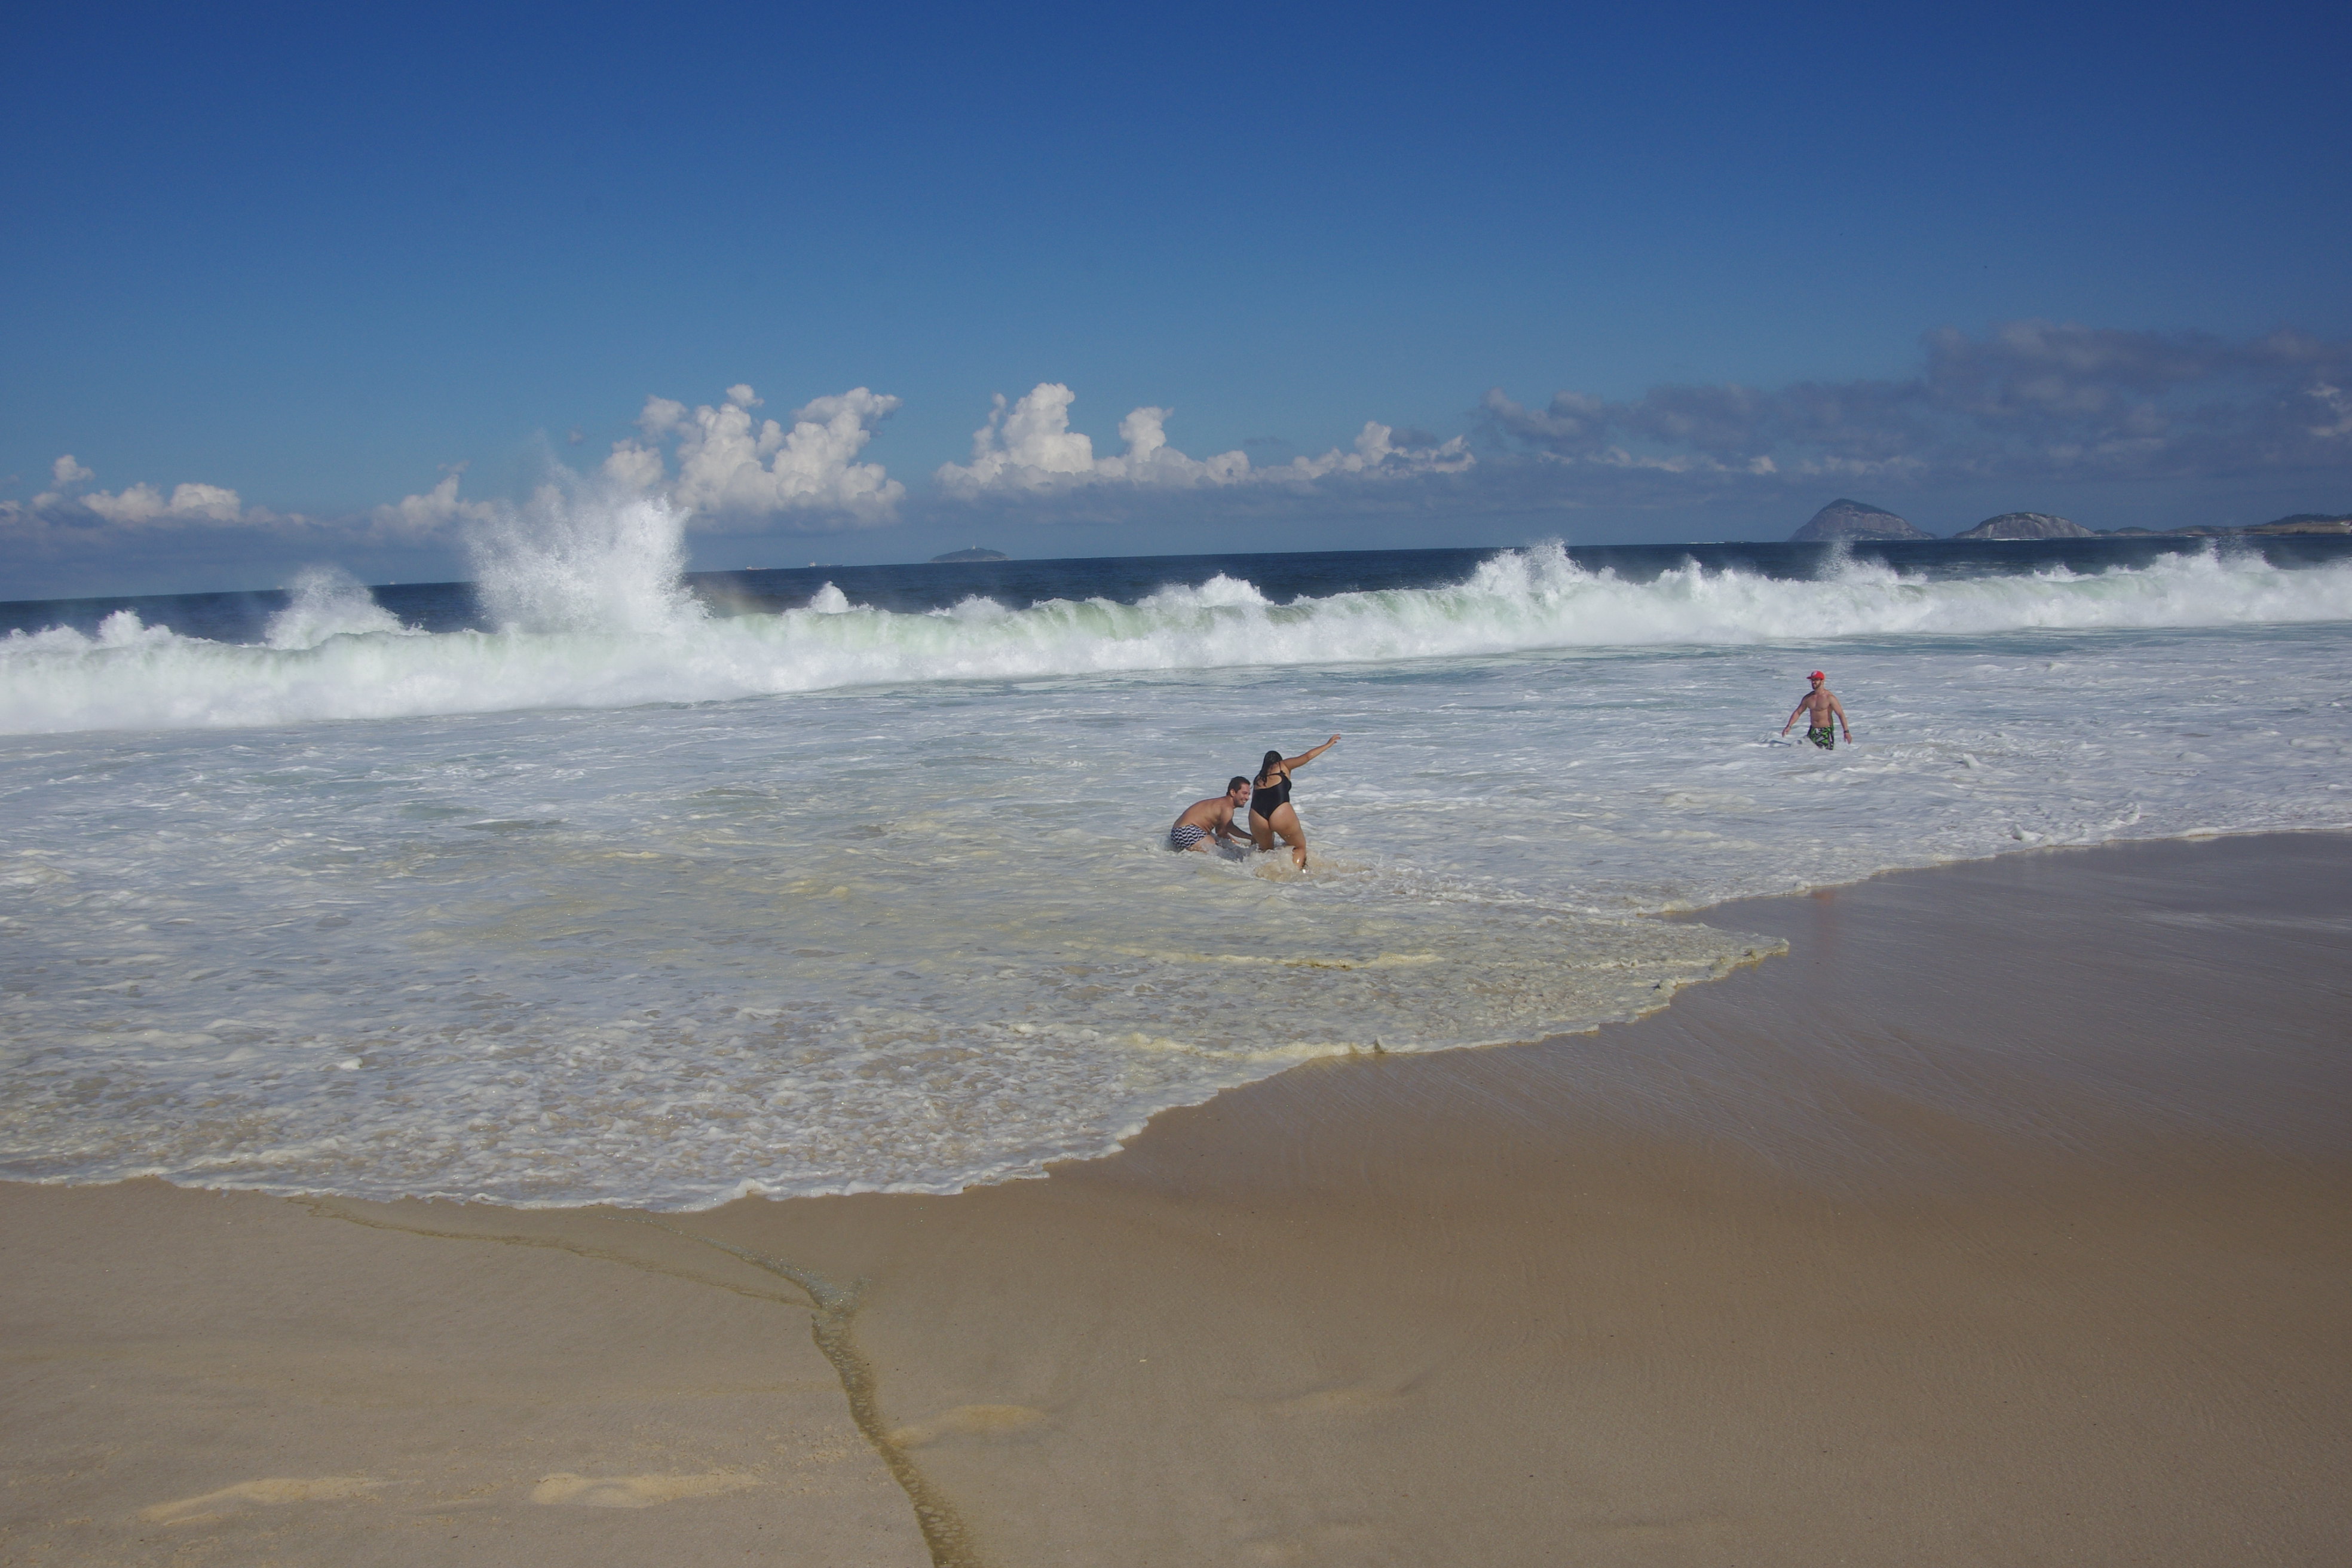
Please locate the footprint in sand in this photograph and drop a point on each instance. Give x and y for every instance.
(636, 1491)
(1357, 1400)
(270, 1492)
(971, 1423)
(1317, 1544)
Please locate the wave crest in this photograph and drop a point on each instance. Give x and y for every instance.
(594, 613)
(327, 602)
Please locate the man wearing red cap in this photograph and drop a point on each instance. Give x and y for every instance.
(1823, 705)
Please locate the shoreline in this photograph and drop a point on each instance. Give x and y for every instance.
(1719, 916)
(2004, 1218)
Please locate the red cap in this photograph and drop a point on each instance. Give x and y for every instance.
(1817, 675)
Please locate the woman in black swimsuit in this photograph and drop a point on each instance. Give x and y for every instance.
(1270, 808)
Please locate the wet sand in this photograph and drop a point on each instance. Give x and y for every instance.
(2007, 1219)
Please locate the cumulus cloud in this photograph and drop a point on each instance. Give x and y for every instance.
(438, 511)
(2333, 412)
(69, 507)
(1377, 453)
(73, 515)
(2027, 400)
(733, 467)
(1027, 447)
(145, 503)
(70, 513)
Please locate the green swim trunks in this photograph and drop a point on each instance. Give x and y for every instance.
(1824, 737)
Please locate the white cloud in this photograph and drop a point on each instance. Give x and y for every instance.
(145, 508)
(636, 469)
(135, 506)
(145, 503)
(2336, 412)
(1377, 453)
(1028, 446)
(728, 465)
(420, 517)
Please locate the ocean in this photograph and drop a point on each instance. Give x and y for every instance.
(593, 881)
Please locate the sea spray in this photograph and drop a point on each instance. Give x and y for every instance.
(325, 602)
(581, 557)
(595, 615)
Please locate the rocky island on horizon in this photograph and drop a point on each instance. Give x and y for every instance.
(977, 552)
(1844, 518)
(1853, 520)
(2026, 525)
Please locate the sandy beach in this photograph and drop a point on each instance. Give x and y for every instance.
(2006, 1219)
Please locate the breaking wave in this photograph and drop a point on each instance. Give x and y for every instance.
(593, 612)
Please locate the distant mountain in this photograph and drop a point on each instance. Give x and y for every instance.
(2305, 522)
(2300, 522)
(2026, 525)
(974, 553)
(1851, 520)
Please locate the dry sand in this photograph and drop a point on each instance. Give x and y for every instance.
(2007, 1220)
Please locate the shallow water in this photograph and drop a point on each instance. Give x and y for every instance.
(636, 901)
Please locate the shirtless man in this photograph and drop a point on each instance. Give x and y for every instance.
(1213, 819)
(1818, 707)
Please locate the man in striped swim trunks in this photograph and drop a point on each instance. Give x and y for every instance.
(1209, 819)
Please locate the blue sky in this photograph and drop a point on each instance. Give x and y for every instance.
(1685, 272)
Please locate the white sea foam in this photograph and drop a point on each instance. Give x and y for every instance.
(594, 616)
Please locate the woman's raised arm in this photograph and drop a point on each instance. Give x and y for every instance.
(1303, 758)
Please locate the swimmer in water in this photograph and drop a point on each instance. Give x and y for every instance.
(1821, 704)
(1209, 821)
(1270, 808)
